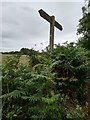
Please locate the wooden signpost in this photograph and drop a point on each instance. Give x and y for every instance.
(51, 20)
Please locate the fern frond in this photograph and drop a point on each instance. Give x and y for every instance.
(51, 100)
(14, 94)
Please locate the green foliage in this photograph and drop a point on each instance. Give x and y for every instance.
(70, 67)
(50, 87)
(26, 51)
(84, 30)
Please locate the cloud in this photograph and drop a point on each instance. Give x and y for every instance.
(23, 26)
(43, 1)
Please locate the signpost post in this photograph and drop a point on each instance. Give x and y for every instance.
(51, 20)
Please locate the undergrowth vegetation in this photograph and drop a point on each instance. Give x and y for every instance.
(51, 87)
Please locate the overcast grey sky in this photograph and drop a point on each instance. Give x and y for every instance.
(22, 25)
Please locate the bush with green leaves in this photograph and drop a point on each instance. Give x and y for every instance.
(50, 87)
(71, 68)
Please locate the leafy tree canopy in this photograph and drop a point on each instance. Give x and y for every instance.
(84, 28)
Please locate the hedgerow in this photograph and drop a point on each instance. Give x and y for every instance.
(52, 86)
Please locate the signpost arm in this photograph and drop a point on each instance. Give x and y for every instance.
(52, 32)
(51, 20)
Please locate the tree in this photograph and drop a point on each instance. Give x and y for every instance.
(84, 27)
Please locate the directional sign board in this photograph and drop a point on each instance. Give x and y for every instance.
(48, 18)
(51, 20)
